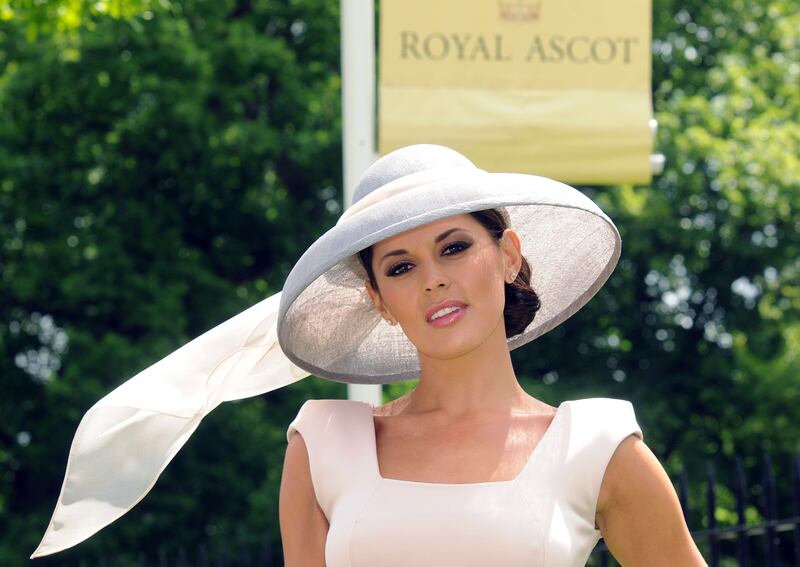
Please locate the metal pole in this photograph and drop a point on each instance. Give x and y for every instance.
(358, 118)
(711, 509)
(657, 161)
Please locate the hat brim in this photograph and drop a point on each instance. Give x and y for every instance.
(328, 325)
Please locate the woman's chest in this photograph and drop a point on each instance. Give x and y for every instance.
(472, 452)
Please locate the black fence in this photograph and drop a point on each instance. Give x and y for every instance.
(241, 555)
(772, 541)
(769, 541)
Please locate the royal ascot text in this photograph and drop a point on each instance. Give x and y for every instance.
(579, 49)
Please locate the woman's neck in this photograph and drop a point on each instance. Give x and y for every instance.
(479, 382)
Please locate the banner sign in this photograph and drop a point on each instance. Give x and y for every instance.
(559, 88)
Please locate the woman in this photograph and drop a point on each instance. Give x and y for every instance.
(437, 270)
(467, 469)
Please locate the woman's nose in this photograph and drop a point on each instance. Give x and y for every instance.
(434, 277)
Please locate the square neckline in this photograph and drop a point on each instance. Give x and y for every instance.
(545, 437)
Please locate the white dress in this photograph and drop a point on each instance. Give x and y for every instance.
(543, 517)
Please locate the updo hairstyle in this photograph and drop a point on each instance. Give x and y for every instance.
(521, 303)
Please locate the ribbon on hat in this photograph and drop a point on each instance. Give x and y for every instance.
(127, 439)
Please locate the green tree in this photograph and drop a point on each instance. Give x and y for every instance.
(160, 170)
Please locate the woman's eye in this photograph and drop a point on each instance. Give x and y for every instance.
(449, 250)
(456, 247)
(395, 270)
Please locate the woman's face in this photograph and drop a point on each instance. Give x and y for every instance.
(453, 262)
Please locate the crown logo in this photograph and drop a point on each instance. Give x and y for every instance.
(520, 11)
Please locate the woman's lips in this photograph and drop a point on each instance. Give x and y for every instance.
(450, 318)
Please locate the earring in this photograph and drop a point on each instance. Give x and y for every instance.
(512, 276)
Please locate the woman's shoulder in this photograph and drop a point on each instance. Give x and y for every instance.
(599, 403)
(601, 424)
(315, 409)
(331, 403)
(316, 414)
(391, 407)
(608, 413)
(598, 428)
(335, 433)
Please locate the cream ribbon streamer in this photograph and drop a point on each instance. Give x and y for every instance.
(127, 439)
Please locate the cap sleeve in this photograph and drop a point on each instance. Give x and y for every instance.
(302, 420)
(332, 431)
(597, 427)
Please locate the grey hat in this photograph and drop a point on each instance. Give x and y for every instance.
(327, 323)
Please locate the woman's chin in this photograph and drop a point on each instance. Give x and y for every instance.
(457, 340)
(451, 347)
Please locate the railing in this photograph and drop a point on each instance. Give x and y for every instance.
(240, 555)
(731, 544)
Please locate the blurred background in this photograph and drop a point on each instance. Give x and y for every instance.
(163, 164)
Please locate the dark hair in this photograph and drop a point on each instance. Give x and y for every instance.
(522, 303)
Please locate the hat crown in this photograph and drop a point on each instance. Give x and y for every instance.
(406, 161)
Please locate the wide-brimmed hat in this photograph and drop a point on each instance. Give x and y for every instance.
(327, 323)
(324, 323)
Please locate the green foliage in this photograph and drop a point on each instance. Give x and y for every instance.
(156, 157)
(155, 164)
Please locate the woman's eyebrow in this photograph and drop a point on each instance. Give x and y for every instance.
(437, 240)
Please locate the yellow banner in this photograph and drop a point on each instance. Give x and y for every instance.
(559, 88)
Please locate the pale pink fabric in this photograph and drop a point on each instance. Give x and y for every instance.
(543, 517)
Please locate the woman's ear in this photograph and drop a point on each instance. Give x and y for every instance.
(375, 296)
(512, 253)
